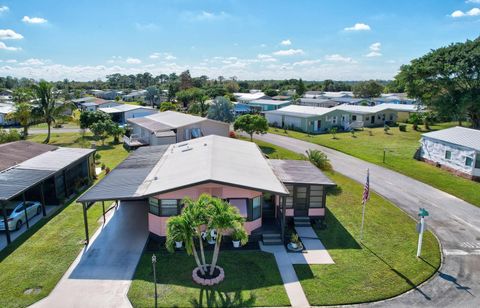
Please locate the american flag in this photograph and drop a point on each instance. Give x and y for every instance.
(366, 189)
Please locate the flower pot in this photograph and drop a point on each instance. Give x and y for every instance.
(236, 244)
(294, 245)
(178, 244)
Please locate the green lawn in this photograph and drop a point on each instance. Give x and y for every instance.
(251, 279)
(39, 258)
(382, 266)
(401, 147)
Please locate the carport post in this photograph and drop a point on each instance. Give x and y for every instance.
(42, 195)
(85, 221)
(103, 208)
(284, 205)
(5, 222)
(25, 210)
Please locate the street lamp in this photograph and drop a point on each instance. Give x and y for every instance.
(154, 263)
(420, 229)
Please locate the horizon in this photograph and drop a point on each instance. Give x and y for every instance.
(342, 41)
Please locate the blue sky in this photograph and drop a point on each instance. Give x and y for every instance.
(250, 39)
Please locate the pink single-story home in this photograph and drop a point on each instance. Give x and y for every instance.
(268, 193)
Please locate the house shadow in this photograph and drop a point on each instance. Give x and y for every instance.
(208, 297)
(334, 235)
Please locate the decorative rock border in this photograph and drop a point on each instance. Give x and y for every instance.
(208, 282)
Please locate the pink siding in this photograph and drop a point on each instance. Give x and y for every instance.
(289, 212)
(217, 190)
(316, 212)
(252, 225)
(157, 225)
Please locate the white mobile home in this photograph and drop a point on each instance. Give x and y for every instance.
(122, 112)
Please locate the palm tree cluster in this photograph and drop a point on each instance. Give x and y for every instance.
(207, 213)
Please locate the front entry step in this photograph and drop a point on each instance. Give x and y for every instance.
(301, 221)
(272, 239)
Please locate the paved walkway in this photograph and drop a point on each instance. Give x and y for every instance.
(101, 275)
(455, 222)
(289, 277)
(314, 253)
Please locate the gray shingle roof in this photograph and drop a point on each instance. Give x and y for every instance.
(13, 153)
(463, 136)
(299, 172)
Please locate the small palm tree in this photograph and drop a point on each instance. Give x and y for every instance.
(46, 109)
(23, 115)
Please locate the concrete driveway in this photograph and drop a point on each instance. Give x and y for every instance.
(455, 222)
(101, 275)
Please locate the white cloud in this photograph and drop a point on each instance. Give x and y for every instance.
(162, 55)
(339, 58)
(33, 62)
(473, 12)
(289, 52)
(472, 1)
(266, 58)
(3, 9)
(146, 27)
(375, 46)
(373, 54)
(8, 34)
(133, 61)
(205, 16)
(286, 42)
(34, 20)
(374, 50)
(306, 62)
(3, 46)
(358, 27)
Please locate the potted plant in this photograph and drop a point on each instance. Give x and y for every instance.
(178, 244)
(294, 241)
(239, 236)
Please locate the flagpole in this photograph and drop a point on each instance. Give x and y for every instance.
(363, 219)
(366, 195)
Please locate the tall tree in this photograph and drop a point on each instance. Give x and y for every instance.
(151, 95)
(300, 88)
(367, 89)
(45, 106)
(23, 115)
(251, 124)
(221, 110)
(185, 80)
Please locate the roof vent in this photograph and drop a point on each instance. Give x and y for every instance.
(155, 178)
(187, 149)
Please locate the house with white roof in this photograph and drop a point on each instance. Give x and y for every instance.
(246, 97)
(122, 112)
(171, 127)
(455, 149)
(5, 110)
(259, 105)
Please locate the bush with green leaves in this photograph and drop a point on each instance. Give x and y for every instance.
(333, 131)
(166, 106)
(402, 127)
(221, 109)
(9, 136)
(319, 159)
(386, 128)
(251, 124)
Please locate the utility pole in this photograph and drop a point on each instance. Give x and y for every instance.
(420, 229)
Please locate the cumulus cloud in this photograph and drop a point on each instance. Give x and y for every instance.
(472, 1)
(133, 61)
(3, 46)
(266, 58)
(34, 20)
(374, 50)
(473, 12)
(358, 27)
(289, 52)
(306, 62)
(162, 55)
(33, 62)
(3, 9)
(8, 34)
(339, 58)
(286, 42)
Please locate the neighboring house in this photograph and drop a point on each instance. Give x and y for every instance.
(317, 102)
(455, 149)
(267, 193)
(122, 112)
(107, 94)
(353, 101)
(171, 127)
(327, 95)
(6, 95)
(317, 120)
(135, 96)
(282, 97)
(247, 97)
(259, 105)
(79, 101)
(394, 98)
(97, 103)
(43, 173)
(5, 110)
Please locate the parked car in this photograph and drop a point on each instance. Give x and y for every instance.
(16, 214)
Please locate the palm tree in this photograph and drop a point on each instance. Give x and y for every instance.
(179, 228)
(223, 218)
(46, 108)
(23, 115)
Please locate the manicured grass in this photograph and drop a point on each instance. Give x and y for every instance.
(382, 265)
(251, 279)
(275, 152)
(39, 257)
(401, 147)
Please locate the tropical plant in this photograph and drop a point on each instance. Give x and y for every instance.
(240, 235)
(416, 119)
(116, 131)
(221, 110)
(251, 124)
(166, 106)
(23, 115)
(9, 135)
(333, 131)
(294, 238)
(151, 95)
(319, 159)
(45, 106)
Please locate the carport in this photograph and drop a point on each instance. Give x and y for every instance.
(46, 173)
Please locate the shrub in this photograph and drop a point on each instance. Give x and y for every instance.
(386, 128)
(333, 131)
(402, 127)
(232, 134)
(319, 159)
(103, 166)
(98, 156)
(9, 136)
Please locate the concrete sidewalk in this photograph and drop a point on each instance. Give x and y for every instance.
(101, 275)
(314, 253)
(289, 277)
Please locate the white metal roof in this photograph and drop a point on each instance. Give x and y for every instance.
(173, 119)
(249, 96)
(268, 102)
(55, 160)
(123, 108)
(463, 136)
(302, 111)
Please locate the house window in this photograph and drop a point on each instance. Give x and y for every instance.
(391, 116)
(468, 161)
(316, 196)
(154, 206)
(289, 198)
(367, 118)
(241, 205)
(168, 207)
(256, 208)
(354, 117)
(448, 154)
